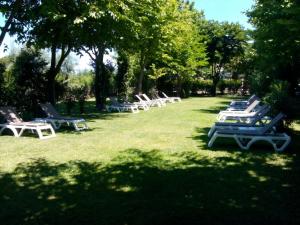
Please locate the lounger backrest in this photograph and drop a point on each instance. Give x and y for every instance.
(252, 106)
(252, 99)
(164, 94)
(146, 97)
(10, 115)
(49, 110)
(139, 98)
(261, 113)
(273, 122)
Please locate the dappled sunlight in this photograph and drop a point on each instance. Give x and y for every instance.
(156, 186)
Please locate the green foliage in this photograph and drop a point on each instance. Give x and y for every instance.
(232, 85)
(279, 100)
(78, 89)
(277, 39)
(225, 42)
(29, 82)
(204, 86)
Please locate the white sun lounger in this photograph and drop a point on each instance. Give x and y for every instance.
(164, 99)
(258, 120)
(245, 136)
(56, 120)
(178, 99)
(18, 126)
(121, 107)
(248, 112)
(154, 101)
(243, 104)
(149, 103)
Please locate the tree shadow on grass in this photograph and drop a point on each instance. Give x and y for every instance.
(139, 187)
(215, 109)
(91, 113)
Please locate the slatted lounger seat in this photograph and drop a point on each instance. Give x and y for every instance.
(246, 136)
(18, 126)
(258, 120)
(56, 120)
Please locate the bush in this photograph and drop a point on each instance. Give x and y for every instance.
(24, 83)
(222, 86)
(279, 100)
(78, 89)
(233, 85)
(204, 86)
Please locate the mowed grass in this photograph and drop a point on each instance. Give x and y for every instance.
(153, 167)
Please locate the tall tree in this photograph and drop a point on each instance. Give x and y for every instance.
(277, 39)
(53, 27)
(224, 42)
(102, 25)
(148, 17)
(183, 51)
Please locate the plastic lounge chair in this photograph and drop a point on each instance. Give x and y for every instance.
(142, 105)
(172, 98)
(121, 107)
(259, 120)
(241, 117)
(148, 103)
(226, 113)
(18, 126)
(240, 104)
(56, 120)
(164, 99)
(245, 137)
(154, 101)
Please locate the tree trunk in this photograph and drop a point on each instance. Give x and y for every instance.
(51, 87)
(54, 70)
(142, 74)
(215, 78)
(100, 94)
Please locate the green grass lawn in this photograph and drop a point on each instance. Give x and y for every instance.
(148, 168)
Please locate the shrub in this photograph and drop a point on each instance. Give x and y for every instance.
(203, 86)
(279, 100)
(221, 86)
(78, 89)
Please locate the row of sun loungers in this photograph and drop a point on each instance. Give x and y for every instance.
(247, 122)
(43, 127)
(144, 103)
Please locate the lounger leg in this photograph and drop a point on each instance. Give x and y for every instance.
(286, 141)
(14, 130)
(21, 132)
(40, 133)
(244, 143)
(212, 140)
(211, 131)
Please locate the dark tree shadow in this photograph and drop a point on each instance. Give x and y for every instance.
(141, 187)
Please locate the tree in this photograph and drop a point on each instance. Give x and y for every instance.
(183, 51)
(15, 13)
(28, 71)
(277, 40)
(102, 25)
(53, 27)
(224, 42)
